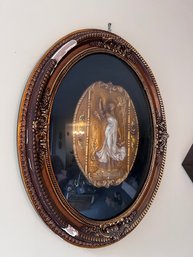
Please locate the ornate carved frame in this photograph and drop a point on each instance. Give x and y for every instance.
(33, 139)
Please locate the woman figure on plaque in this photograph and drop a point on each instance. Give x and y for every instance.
(110, 149)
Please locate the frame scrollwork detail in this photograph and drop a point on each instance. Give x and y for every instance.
(33, 140)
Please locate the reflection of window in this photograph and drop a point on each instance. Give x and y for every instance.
(129, 189)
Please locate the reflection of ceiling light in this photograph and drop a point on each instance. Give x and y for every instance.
(71, 231)
(78, 133)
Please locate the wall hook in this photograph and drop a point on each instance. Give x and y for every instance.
(109, 27)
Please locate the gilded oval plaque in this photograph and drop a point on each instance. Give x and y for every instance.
(105, 134)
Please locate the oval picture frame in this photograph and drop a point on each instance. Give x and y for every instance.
(90, 101)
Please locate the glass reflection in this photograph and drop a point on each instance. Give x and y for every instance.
(82, 195)
(88, 199)
(92, 202)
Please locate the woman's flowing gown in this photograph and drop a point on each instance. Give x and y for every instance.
(110, 148)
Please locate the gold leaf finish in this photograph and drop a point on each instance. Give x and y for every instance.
(105, 134)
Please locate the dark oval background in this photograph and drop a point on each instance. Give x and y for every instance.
(97, 203)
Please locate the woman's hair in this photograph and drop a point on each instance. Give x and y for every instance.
(110, 106)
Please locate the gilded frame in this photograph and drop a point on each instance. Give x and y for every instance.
(33, 140)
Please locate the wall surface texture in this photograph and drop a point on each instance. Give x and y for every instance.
(162, 33)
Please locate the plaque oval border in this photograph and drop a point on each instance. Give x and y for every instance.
(74, 137)
(33, 139)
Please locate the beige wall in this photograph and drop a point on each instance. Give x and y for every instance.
(162, 31)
